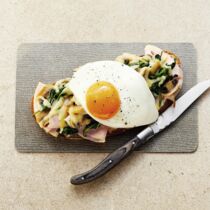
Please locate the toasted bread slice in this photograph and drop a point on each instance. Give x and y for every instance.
(42, 100)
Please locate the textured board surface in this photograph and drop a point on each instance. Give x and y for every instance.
(50, 62)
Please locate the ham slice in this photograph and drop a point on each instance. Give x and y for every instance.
(152, 50)
(53, 122)
(53, 126)
(97, 135)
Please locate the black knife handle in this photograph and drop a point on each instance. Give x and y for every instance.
(113, 159)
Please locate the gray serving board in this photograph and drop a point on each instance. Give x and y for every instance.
(49, 62)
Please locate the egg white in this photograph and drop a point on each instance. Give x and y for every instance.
(137, 102)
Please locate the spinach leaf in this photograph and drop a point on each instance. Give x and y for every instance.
(158, 57)
(43, 107)
(172, 65)
(60, 93)
(156, 88)
(143, 63)
(133, 64)
(92, 125)
(126, 61)
(140, 63)
(53, 96)
(69, 131)
(159, 73)
(162, 72)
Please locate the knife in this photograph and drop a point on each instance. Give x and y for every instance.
(164, 120)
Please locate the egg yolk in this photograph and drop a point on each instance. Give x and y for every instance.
(102, 100)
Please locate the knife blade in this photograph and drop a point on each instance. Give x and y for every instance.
(164, 120)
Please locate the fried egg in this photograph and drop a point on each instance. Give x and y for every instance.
(114, 94)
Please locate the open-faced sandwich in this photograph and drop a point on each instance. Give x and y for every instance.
(107, 97)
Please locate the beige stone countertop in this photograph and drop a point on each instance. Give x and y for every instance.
(144, 181)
